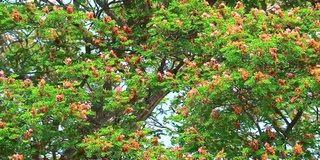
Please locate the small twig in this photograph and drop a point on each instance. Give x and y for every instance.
(256, 123)
(160, 125)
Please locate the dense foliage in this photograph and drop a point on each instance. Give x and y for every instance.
(88, 80)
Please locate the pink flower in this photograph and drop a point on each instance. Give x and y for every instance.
(119, 89)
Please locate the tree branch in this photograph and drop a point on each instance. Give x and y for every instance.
(104, 5)
(162, 65)
(175, 70)
(152, 100)
(277, 111)
(255, 122)
(160, 125)
(293, 123)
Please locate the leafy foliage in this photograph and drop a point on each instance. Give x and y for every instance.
(81, 81)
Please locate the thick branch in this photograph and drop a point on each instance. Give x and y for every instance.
(162, 65)
(176, 69)
(293, 123)
(152, 100)
(281, 115)
(104, 5)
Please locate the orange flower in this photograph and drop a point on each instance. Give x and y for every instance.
(42, 82)
(185, 111)
(220, 154)
(134, 144)
(169, 74)
(264, 27)
(97, 41)
(215, 113)
(17, 16)
(29, 134)
(125, 148)
(315, 71)
(273, 52)
(155, 140)
(237, 125)
(278, 100)
(107, 18)
(282, 82)
(123, 38)
(254, 145)
(192, 92)
(205, 100)
(264, 156)
(244, 74)
(115, 30)
(192, 129)
(265, 37)
(140, 134)
(308, 136)
(260, 76)
(202, 151)
(44, 109)
(270, 134)
(67, 84)
(16, 156)
(127, 29)
(95, 72)
(239, 5)
(146, 155)
(46, 9)
(83, 114)
(11, 80)
(129, 110)
(270, 150)
(276, 26)
(297, 149)
(221, 5)
(67, 61)
(2, 125)
(70, 9)
(283, 154)
(176, 149)
(34, 112)
(90, 15)
(237, 110)
(60, 97)
(31, 7)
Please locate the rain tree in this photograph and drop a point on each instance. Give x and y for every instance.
(87, 79)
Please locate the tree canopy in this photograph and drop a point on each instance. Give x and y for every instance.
(88, 79)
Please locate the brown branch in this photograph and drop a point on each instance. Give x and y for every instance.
(153, 100)
(162, 65)
(104, 5)
(316, 111)
(293, 123)
(277, 111)
(60, 2)
(176, 69)
(211, 2)
(255, 122)
(160, 125)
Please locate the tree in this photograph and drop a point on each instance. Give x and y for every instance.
(81, 80)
